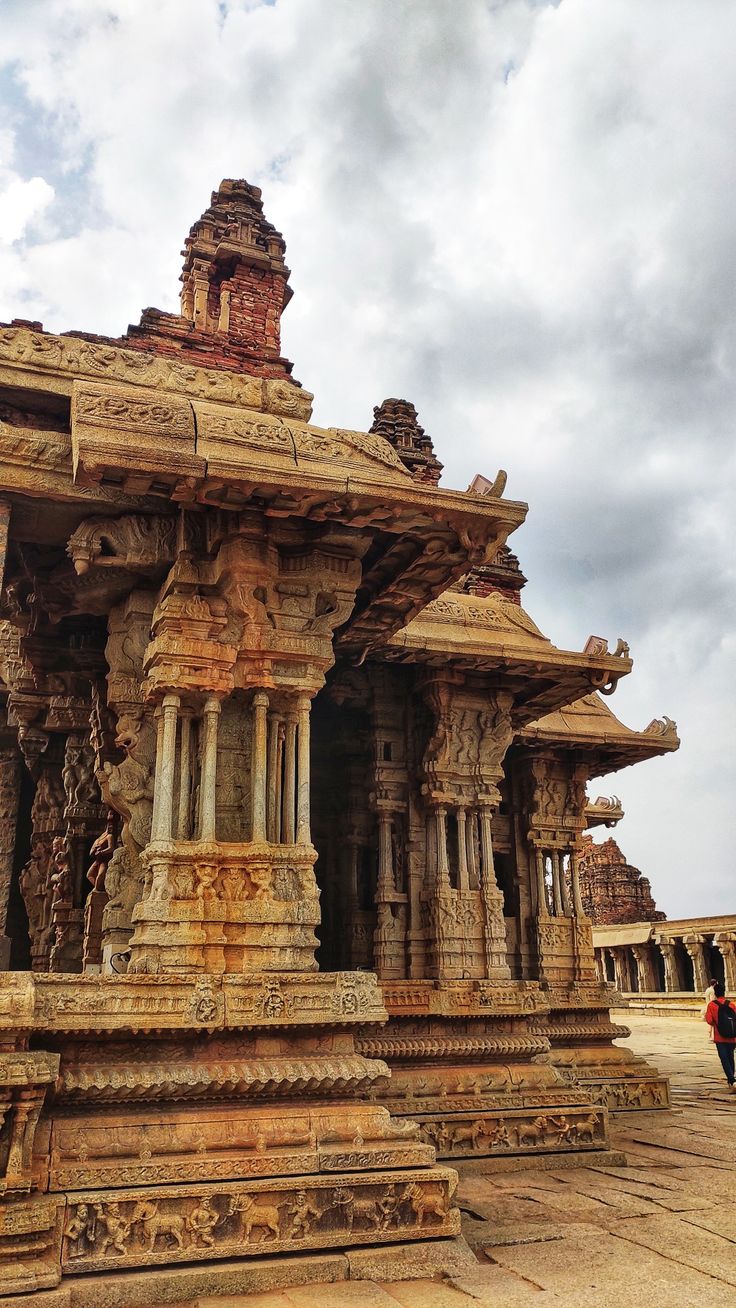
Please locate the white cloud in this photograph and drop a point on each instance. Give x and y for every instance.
(520, 219)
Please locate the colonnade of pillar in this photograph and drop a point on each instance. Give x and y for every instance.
(473, 849)
(280, 785)
(557, 880)
(637, 963)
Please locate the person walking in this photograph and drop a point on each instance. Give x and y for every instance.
(708, 998)
(721, 1016)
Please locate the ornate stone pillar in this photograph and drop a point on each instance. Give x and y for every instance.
(83, 815)
(159, 720)
(100, 855)
(47, 824)
(566, 905)
(671, 978)
(623, 980)
(385, 883)
(303, 833)
(289, 804)
(443, 870)
(183, 816)
(274, 778)
(471, 833)
(694, 945)
(416, 935)
(462, 851)
(556, 884)
(577, 901)
(726, 942)
(208, 778)
(163, 804)
(540, 883)
(494, 926)
(9, 795)
(258, 771)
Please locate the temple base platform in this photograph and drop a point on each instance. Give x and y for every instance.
(583, 1051)
(481, 1085)
(180, 1131)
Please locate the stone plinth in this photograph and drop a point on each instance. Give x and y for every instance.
(202, 1118)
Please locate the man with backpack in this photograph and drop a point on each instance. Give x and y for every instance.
(721, 1016)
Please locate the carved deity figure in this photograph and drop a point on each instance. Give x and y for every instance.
(389, 1207)
(80, 1230)
(80, 788)
(35, 877)
(61, 879)
(127, 788)
(100, 853)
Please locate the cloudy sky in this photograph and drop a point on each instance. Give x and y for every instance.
(518, 214)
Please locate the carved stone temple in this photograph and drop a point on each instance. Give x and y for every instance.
(293, 796)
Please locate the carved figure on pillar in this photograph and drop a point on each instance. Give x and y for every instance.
(101, 853)
(47, 825)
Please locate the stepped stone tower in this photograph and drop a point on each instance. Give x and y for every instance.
(613, 891)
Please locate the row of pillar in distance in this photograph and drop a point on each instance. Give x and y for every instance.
(659, 966)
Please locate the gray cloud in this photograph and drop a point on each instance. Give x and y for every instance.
(521, 221)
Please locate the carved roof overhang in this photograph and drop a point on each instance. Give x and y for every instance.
(146, 430)
(589, 727)
(492, 634)
(603, 812)
(41, 361)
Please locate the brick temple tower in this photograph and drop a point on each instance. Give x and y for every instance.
(612, 890)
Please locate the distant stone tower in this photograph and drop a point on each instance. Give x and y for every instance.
(234, 290)
(614, 892)
(397, 421)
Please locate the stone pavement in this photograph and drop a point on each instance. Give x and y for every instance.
(661, 1231)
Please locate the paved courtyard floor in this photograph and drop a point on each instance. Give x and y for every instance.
(660, 1232)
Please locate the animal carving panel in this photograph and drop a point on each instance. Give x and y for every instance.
(302, 591)
(140, 1227)
(136, 542)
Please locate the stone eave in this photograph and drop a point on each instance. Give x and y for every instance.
(602, 815)
(634, 932)
(588, 726)
(628, 933)
(494, 635)
(38, 360)
(146, 430)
